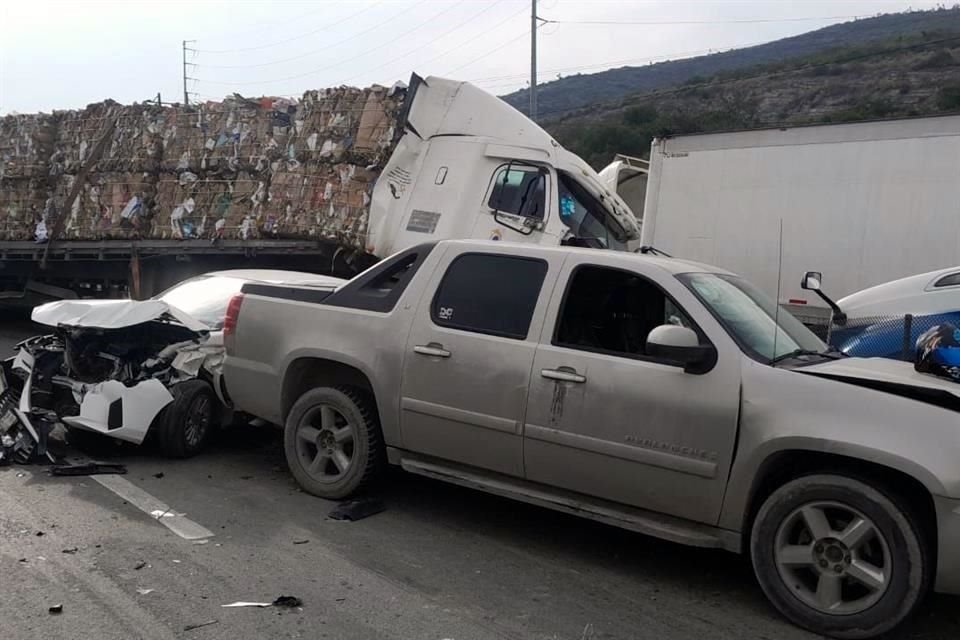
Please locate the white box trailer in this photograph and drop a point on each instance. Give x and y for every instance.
(864, 203)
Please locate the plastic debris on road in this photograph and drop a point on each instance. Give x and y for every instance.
(354, 510)
(289, 602)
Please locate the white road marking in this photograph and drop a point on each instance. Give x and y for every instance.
(153, 507)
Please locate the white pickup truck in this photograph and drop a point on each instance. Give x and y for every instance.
(655, 394)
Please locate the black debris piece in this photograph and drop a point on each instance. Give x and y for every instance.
(140, 565)
(354, 510)
(246, 477)
(71, 550)
(191, 627)
(88, 469)
(300, 541)
(288, 601)
(40, 534)
(57, 608)
(23, 560)
(158, 475)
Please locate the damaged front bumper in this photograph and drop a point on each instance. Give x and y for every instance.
(39, 389)
(23, 432)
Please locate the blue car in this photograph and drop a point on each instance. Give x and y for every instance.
(877, 323)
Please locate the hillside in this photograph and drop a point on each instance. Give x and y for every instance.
(581, 90)
(897, 76)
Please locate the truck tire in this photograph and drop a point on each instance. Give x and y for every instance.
(185, 425)
(840, 558)
(332, 442)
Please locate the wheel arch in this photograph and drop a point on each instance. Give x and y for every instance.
(305, 373)
(785, 465)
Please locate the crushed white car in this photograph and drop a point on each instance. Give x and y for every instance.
(126, 369)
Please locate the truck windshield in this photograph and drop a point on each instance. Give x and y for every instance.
(587, 218)
(748, 316)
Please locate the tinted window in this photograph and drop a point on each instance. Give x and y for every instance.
(380, 287)
(519, 189)
(613, 311)
(951, 280)
(489, 294)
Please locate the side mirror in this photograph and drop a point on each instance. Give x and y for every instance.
(811, 281)
(682, 346)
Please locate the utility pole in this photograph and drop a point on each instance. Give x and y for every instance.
(186, 94)
(533, 60)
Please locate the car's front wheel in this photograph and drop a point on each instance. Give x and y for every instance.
(838, 557)
(185, 425)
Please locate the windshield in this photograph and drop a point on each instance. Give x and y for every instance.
(205, 298)
(587, 218)
(748, 315)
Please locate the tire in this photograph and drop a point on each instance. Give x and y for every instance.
(332, 442)
(185, 425)
(829, 583)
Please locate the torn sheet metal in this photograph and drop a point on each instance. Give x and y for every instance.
(116, 410)
(110, 314)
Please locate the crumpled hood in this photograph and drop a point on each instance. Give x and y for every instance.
(111, 314)
(883, 374)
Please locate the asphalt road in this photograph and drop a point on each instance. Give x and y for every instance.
(440, 563)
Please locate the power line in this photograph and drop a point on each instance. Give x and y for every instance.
(424, 45)
(667, 56)
(340, 62)
(525, 34)
(475, 37)
(294, 38)
(307, 54)
(680, 22)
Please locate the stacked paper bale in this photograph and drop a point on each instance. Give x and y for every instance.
(241, 168)
(26, 143)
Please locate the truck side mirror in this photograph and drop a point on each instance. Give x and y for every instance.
(811, 281)
(682, 346)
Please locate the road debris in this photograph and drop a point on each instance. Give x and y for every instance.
(40, 534)
(158, 475)
(88, 469)
(140, 565)
(191, 627)
(300, 541)
(71, 550)
(56, 609)
(354, 510)
(289, 602)
(144, 592)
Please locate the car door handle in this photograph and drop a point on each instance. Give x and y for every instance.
(433, 349)
(563, 374)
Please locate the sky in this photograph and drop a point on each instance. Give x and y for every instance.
(65, 54)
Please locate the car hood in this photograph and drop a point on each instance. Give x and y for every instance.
(892, 376)
(111, 314)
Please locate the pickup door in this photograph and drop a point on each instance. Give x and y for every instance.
(468, 357)
(606, 419)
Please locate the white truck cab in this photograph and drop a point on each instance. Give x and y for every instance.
(470, 166)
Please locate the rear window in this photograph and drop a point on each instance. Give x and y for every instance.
(204, 298)
(491, 294)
